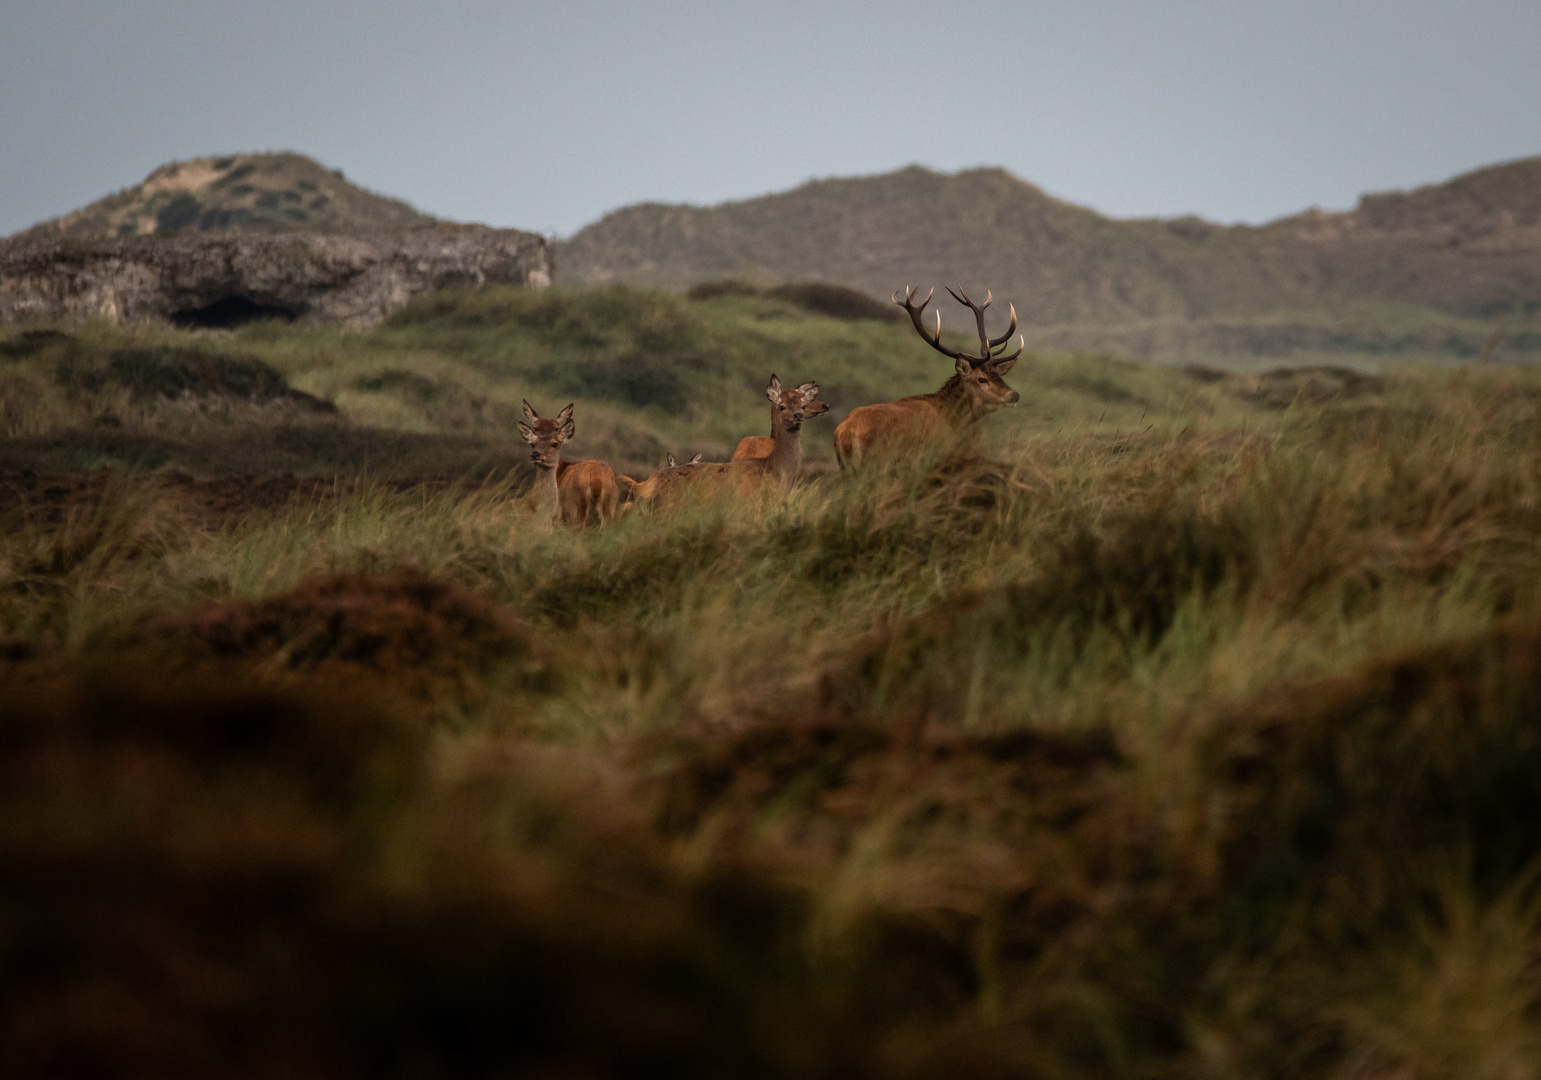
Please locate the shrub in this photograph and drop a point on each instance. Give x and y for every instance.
(212, 864)
(638, 379)
(837, 301)
(583, 319)
(30, 343)
(712, 290)
(408, 383)
(166, 371)
(821, 298)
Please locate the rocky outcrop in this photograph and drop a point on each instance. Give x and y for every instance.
(222, 278)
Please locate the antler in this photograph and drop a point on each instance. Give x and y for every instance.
(990, 349)
(935, 341)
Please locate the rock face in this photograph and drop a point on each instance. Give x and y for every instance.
(227, 277)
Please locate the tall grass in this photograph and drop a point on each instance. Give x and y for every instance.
(1162, 731)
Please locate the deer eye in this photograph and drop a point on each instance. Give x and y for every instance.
(983, 380)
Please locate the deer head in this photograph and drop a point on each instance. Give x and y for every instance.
(980, 378)
(793, 406)
(546, 436)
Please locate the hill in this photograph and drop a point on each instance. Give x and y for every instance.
(240, 191)
(1470, 248)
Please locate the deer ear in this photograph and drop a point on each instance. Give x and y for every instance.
(696, 460)
(527, 431)
(809, 390)
(773, 390)
(1000, 367)
(963, 367)
(529, 413)
(672, 462)
(564, 421)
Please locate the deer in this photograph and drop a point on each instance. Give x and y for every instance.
(776, 471)
(975, 390)
(573, 492)
(643, 490)
(760, 446)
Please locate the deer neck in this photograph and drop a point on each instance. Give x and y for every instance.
(952, 399)
(547, 501)
(786, 456)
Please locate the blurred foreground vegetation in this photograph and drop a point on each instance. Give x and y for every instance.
(1186, 724)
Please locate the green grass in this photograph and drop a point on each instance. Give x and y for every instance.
(652, 373)
(1172, 729)
(1364, 335)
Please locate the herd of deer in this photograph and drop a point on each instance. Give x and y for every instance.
(581, 492)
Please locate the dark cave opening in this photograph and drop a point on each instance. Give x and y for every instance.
(230, 311)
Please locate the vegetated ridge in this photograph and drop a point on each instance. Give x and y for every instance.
(1446, 273)
(235, 191)
(1470, 247)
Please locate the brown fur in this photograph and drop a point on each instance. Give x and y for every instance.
(643, 490)
(958, 403)
(587, 492)
(761, 446)
(976, 389)
(667, 486)
(754, 446)
(573, 492)
(750, 475)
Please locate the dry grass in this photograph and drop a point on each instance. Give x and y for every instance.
(1196, 744)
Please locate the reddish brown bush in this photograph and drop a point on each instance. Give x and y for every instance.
(405, 628)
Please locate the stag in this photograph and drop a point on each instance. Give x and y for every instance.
(975, 390)
(574, 492)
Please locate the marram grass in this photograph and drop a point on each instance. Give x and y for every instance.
(1159, 733)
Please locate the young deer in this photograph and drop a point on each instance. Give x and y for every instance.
(645, 489)
(775, 471)
(760, 446)
(574, 492)
(974, 391)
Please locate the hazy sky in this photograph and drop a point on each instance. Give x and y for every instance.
(544, 116)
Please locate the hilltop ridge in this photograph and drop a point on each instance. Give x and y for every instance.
(1469, 247)
(281, 190)
(1445, 272)
(1494, 208)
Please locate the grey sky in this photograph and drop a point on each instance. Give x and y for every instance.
(546, 115)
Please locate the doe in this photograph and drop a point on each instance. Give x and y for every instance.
(573, 492)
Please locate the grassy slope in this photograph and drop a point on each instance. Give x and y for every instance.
(652, 373)
(1184, 727)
